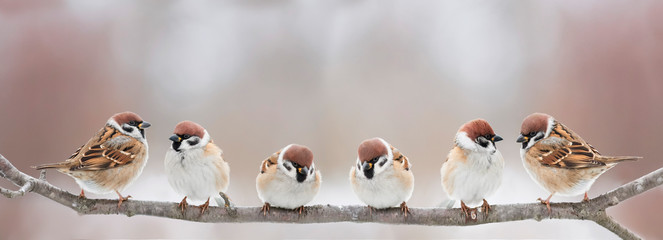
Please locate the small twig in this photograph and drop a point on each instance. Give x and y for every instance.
(27, 187)
(607, 222)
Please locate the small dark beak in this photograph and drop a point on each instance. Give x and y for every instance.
(497, 138)
(303, 170)
(522, 138)
(144, 125)
(175, 138)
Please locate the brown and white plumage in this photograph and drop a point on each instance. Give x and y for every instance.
(112, 159)
(558, 159)
(382, 177)
(195, 166)
(474, 166)
(288, 179)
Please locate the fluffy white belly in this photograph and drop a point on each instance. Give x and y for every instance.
(286, 192)
(194, 178)
(382, 191)
(474, 180)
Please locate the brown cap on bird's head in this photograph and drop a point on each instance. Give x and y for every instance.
(126, 117)
(299, 154)
(477, 127)
(189, 128)
(371, 148)
(535, 122)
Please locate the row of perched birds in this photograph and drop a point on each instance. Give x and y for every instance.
(554, 156)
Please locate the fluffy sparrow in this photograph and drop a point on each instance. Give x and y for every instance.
(382, 177)
(288, 179)
(194, 165)
(112, 159)
(558, 159)
(473, 169)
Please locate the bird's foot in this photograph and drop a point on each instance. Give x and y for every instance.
(405, 209)
(265, 209)
(183, 205)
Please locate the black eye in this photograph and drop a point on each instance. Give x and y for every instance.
(185, 136)
(133, 123)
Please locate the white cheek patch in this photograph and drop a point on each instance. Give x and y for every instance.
(465, 142)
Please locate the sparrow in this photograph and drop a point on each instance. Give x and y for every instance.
(288, 179)
(474, 166)
(559, 160)
(382, 177)
(111, 160)
(195, 166)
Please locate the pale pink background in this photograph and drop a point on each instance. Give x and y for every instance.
(262, 74)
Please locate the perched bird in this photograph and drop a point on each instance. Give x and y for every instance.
(473, 169)
(382, 177)
(559, 160)
(111, 160)
(288, 179)
(195, 166)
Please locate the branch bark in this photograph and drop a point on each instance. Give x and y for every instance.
(593, 210)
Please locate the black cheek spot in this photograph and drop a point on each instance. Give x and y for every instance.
(287, 167)
(128, 129)
(538, 138)
(384, 161)
(193, 142)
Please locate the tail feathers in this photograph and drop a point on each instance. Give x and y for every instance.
(609, 159)
(50, 165)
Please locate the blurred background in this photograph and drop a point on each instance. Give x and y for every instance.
(262, 74)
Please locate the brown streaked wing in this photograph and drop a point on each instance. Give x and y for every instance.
(269, 162)
(102, 155)
(399, 157)
(562, 153)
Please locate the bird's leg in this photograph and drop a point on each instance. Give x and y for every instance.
(300, 209)
(465, 209)
(265, 209)
(405, 209)
(485, 207)
(370, 210)
(82, 195)
(183, 205)
(121, 199)
(204, 206)
(547, 202)
(470, 213)
(586, 199)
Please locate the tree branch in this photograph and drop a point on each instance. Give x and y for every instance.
(593, 210)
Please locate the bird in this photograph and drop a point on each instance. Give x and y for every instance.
(111, 160)
(558, 159)
(473, 169)
(195, 166)
(288, 179)
(382, 177)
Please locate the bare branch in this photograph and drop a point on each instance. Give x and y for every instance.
(12, 194)
(593, 210)
(607, 222)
